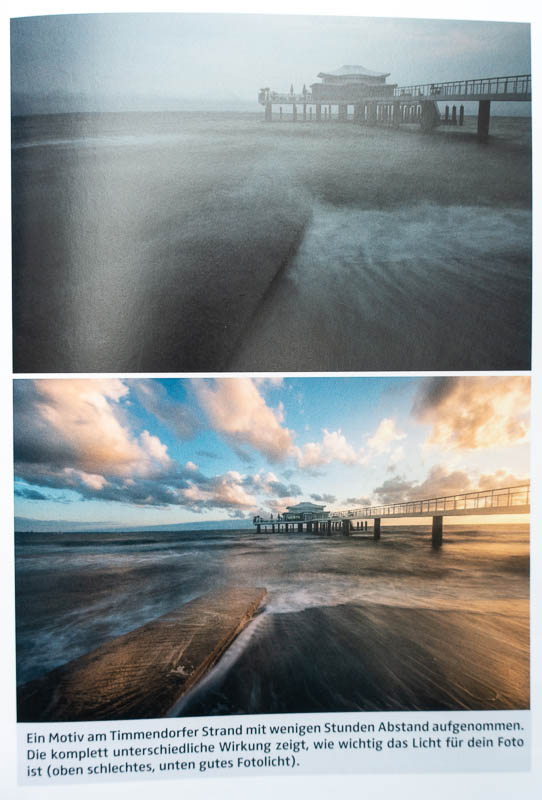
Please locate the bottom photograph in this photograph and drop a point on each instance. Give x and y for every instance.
(198, 547)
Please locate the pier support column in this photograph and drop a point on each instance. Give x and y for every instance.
(357, 113)
(461, 114)
(365, 524)
(318, 112)
(372, 114)
(268, 112)
(309, 527)
(315, 526)
(376, 530)
(396, 114)
(343, 112)
(258, 528)
(273, 528)
(294, 112)
(454, 115)
(346, 527)
(436, 533)
(304, 112)
(300, 527)
(484, 110)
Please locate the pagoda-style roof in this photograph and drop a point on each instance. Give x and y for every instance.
(305, 507)
(353, 70)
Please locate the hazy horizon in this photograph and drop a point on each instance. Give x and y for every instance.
(171, 62)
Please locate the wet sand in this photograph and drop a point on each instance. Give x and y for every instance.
(373, 658)
(210, 242)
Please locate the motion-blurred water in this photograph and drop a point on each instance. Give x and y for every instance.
(180, 242)
(326, 599)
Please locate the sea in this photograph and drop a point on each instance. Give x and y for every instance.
(347, 624)
(190, 241)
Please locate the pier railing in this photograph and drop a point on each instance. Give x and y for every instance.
(489, 501)
(519, 85)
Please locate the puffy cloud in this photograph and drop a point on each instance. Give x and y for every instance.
(386, 434)
(439, 483)
(501, 479)
(469, 413)
(77, 423)
(238, 411)
(333, 447)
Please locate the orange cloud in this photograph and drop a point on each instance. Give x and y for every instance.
(236, 409)
(475, 413)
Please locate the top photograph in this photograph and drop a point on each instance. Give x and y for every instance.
(260, 193)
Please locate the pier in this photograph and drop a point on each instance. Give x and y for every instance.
(509, 500)
(142, 674)
(353, 93)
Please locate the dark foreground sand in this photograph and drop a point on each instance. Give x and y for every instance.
(374, 657)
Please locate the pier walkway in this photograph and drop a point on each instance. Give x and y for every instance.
(417, 103)
(509, 500)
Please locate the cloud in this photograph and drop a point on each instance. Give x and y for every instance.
(155, 399)
(386, 434)
(440, 482)
(73, 434)
(237, 410)
(501, 479)
(474, 413)
(29, 494)
(324, 498)
(358, 501)
(333, 447)
(78, 423)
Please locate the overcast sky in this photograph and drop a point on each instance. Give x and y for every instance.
(175, 61)
(140, 452)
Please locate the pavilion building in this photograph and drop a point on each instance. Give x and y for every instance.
(351, 84)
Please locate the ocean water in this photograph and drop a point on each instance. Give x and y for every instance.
(347, 623)
(189, 242)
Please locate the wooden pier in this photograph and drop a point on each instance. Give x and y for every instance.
(509, 500)
(142, 674)
(400, 105)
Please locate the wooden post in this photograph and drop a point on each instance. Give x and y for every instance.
(484, 110)
(280, 113)
(268, 112)
(309, 527)
(396, 114)
(304, 112)
(376, 530)
(454, 115)
(300, 527)
(346, 527)
(294, 112)
(461, 114)
(258, 528)
(318, 112)
(436, 533)
(273, 527)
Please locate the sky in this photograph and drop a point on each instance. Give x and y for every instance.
(102, 452)
(120, 62)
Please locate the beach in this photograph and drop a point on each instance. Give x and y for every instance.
(202, 242)
(347, 624)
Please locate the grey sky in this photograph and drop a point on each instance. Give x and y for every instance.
(175, 61)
